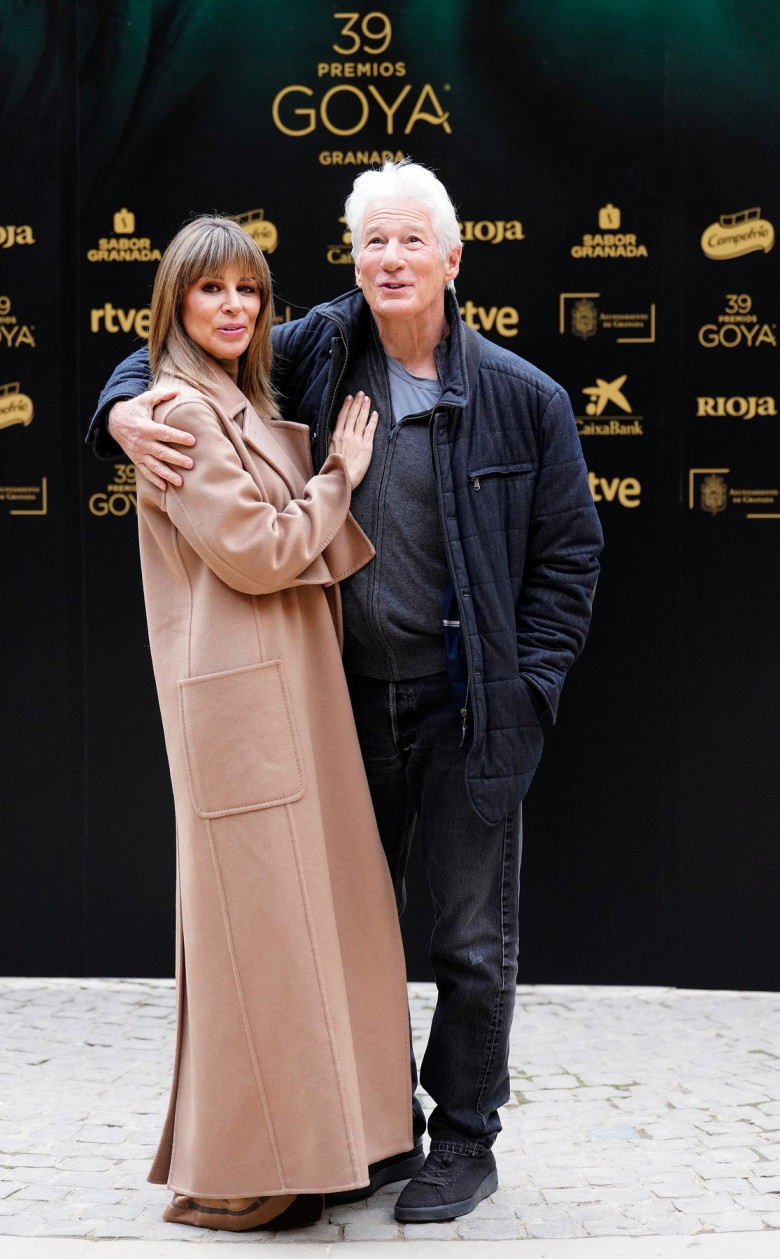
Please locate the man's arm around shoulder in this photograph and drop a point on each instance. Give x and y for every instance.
(131, 378)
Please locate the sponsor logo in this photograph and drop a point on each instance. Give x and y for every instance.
(737, 325)
(709, 490)
(502, 319)
(609, 242)
(124, 245)
(361, 157)
(37, 494)
(491, 231)
(263, 232)
(579, 315)
(369, 90)
(120, 496)
(625, 491)
(341, 255)
(115, 319)
(738, 407)
(12, 235)
(12, 333)
(15, 407)
(736, 234)
(598, 421)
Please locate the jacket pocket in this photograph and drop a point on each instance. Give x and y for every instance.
(240, 741)
(476, 477)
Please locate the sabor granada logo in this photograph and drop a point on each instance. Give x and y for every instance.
(737, 234)
(263, 232)
(124, 245)
(15, 407)
(609, 242)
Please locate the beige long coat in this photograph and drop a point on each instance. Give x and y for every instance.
(292, 1057)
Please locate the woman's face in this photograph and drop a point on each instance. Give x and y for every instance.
(219, 313)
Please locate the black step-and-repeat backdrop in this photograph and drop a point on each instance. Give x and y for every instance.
(615, 168)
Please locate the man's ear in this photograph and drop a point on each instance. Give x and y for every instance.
(358, 280)
(452, 265)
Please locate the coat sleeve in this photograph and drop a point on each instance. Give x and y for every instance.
(130, 378)
(565, 539)
(222, 513)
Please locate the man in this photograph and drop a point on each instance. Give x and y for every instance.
(478, 504)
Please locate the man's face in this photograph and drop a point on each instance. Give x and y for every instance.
(398, 265)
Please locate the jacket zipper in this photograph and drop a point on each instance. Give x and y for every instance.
(464, 712)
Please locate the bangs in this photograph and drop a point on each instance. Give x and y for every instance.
(224, 245)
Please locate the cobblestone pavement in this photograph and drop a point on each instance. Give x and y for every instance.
(635, 1113)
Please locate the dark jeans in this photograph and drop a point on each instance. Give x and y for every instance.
(410, 734)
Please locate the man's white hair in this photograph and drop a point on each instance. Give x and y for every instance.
(404, 181)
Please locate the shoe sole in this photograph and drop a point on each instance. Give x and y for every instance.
(403, 1170)
(448, 1210)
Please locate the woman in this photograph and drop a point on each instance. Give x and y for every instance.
(291, 1071)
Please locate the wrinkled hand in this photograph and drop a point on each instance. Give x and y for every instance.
(150, 446)
(353, 436)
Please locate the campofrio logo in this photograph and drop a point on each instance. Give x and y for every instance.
(263, 232)
(15, 407)
(737, 234)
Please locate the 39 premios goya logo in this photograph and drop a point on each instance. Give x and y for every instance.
(609, 241)
(359, 85)
(738, 325)
(737, 234)
(120, 497)
(124, 245)
(13, 333)
(608, 412)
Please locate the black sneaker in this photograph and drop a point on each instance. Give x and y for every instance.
(397, 1167)
(448, 1185)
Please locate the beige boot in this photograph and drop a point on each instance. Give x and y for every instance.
(231, 1214)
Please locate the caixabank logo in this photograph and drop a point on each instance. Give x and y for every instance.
(608, 412)
(15, 407)
(610, 241)
(13, 333)
(735, 235)
(124, 245)
(738, 325)
(360, 85)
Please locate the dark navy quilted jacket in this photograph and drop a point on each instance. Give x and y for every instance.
(521, 532)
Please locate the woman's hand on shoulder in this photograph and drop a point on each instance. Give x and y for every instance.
(353, 436)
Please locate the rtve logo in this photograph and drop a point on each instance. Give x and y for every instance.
(625, 491)
(114, 319)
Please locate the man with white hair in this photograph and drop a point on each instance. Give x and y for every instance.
(458, 635)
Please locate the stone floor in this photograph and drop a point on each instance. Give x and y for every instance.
(635, 1113)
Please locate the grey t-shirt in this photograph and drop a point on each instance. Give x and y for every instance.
(393, 606)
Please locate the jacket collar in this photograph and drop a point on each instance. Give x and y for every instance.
(457, 356)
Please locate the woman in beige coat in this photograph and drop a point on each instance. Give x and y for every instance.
(292, 1057)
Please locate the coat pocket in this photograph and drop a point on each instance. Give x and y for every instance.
(240, 740)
